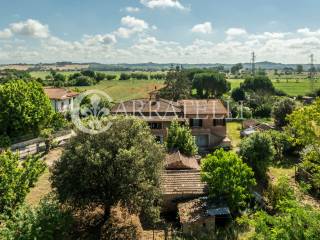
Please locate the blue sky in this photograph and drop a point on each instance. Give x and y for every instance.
(202, 31)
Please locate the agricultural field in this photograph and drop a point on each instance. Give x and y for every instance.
(126, 90)
(291, 86)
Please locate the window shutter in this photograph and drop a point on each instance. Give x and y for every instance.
(214, 122)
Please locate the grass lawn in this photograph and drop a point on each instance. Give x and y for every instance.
(233, 132)
(126, 90)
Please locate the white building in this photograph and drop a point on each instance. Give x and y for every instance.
(61, 98)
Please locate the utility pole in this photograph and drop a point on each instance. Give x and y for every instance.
(312, 72)
(253, 62)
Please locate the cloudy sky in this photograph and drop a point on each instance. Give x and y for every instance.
(181, 31)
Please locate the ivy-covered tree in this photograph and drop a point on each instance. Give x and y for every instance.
(25, 108)
(281, 110)
(122, 164)
(16, 178)
(258, 152)
(229, 179)
(180, 138)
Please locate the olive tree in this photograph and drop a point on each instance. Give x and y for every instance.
(122, 164)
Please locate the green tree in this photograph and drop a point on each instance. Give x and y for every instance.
(258, 152)
(293, 221)
(210, 84)
(238, 94)
(122, 164)
(228, 178)
(281, 110)
(16, 178)
(299, 69)
(258, 83)
(304, 124)
(46, 221)
(25, 108)
(177, 85)
(236, 68)
(180, 138)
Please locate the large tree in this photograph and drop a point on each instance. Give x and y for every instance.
(210, 84)
(236, 68)
(180, 138)
(24, 108)
(258, 83)
(258, 152)
(16, 178)
(178, 86)
(228, 178)
(122, 164)
(281, 110)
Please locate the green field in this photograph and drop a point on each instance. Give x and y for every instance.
(126, 90)
(292, 87)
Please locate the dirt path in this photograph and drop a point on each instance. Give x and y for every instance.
(43, 186)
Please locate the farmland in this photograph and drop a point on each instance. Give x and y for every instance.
(292, 85)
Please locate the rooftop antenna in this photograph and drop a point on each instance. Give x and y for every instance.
(253, 61)
(312, 72)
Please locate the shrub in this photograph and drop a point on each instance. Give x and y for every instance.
(46, 221)
(262, 111)
(125, 76)
(5, 141)
(281, 110)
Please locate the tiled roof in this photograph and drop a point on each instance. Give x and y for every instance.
(59, 93)
(147, 106)
(182, 182)
(205, 107)
(177, 161)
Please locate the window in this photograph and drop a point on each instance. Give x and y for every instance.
(202, 141)
(155, 125)
(195, 123)
(219, 122)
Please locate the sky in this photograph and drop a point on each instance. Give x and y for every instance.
(161, 31)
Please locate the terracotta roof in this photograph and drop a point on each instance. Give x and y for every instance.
(147, 106)
(197, 209)
(177, 161)
(59, 93)
(205, 107)
(249, 123)
(182, 182)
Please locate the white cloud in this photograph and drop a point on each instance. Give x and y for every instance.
(235, 32)
(204, 28)
(132, 9)
(131, 25)
(163, 4)
(6, 33)
(107, 39)
(31, 28)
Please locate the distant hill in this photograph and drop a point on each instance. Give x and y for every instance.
(69, 66)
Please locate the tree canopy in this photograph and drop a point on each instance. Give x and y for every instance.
(258, 83)
(122, 164)
(258, 152)
(210, 84)
(228, 178)
(281, 110)
(16, 178)
(180, 138)
(25, 108)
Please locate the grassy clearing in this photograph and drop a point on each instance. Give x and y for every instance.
(126, 90)
(233, 132)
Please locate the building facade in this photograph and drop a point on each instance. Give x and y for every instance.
(61, 99)
(206, 118)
